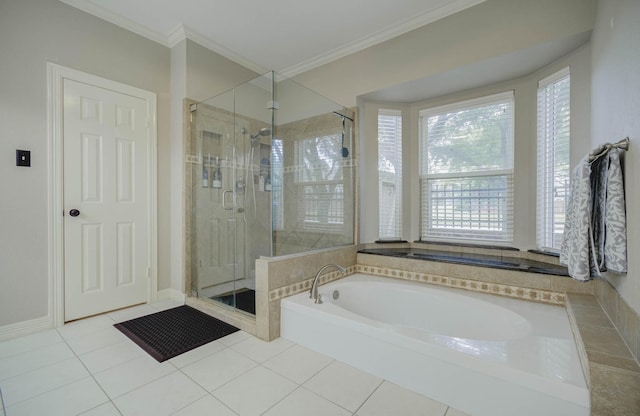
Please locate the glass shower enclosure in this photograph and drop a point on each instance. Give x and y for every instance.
(270, 172)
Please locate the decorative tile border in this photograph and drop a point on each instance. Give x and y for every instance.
(305, 285)
(516, 292)
(198, 160)
(347, 163)
(223, 163)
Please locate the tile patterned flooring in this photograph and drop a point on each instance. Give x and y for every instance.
(89, 368)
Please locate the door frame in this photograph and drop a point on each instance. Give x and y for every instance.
(56, 74)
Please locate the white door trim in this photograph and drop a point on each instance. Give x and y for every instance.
(55, 77)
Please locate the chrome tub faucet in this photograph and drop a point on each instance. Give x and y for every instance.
(313, 293)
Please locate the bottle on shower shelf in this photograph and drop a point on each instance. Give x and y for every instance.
(264, 170)
(217, 175)
(267, 182)
(205, 174)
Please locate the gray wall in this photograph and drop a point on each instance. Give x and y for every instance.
(209, 73)
(33, 33)
(616, 114)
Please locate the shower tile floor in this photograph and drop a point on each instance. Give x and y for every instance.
(224, 288)
(89, 368)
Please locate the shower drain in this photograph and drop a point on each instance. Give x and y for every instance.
(335, 295)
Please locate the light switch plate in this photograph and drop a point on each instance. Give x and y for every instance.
(23, 158)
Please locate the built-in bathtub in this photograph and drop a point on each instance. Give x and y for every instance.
(482, 354)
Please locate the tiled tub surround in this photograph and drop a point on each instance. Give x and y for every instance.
(626, 321)
(526, 285)
(283, 276)
(495, 288)
(530, 285)
(483, 354)
(610, 386)
(523, 285)
(277, 278)
(612, 372)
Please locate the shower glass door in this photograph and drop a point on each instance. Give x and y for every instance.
(230, 219)
(214, 226)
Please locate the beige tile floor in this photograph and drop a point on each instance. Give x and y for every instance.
(89, 368)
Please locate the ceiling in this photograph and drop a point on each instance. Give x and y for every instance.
(291, 37)
(287, 36)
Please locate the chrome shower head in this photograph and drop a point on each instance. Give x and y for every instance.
(262, 132)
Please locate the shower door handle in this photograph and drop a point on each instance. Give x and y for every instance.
(224, 200)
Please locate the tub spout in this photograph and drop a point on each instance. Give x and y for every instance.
(313, 293)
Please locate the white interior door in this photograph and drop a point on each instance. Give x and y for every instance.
(106, 200)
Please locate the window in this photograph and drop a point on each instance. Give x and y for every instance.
(390, 174)
(553, 158)
(466, 170)
(277, 174)
(320, 183)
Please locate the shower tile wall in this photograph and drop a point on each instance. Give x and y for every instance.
(292, 274)
(293, 237)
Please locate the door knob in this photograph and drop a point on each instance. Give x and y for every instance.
(74, 212)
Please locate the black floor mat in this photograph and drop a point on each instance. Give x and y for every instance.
(175, 331)
(245, 300)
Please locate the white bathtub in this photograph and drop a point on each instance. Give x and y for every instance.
(482, 354)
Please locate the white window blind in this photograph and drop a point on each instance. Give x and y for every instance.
(553, 159)
(466, 170)
(319, 180)
(277, 180)
(390, 174)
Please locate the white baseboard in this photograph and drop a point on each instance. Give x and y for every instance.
(172, 294)
(28, 327)
(25, 328)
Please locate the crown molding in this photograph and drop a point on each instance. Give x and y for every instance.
(175, 36)
(181, 32)
(118, 20)
(383, 35)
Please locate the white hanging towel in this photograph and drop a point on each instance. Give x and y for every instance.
(575, 248)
